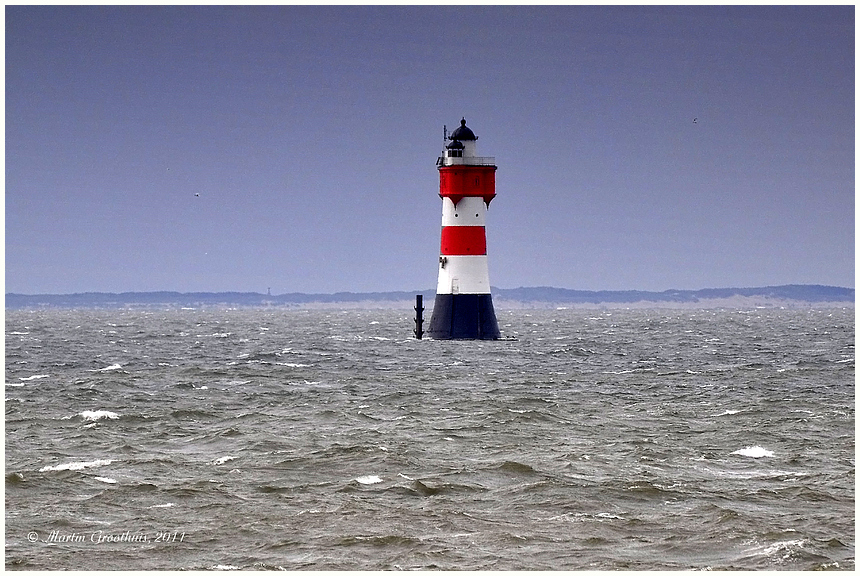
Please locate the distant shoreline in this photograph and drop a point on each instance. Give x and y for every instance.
(785, 296)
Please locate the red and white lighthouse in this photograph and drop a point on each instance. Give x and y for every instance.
(467, 183)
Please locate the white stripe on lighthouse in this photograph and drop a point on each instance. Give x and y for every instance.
(469, 211)
(463, 275)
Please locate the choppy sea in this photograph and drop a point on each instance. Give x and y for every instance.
(318, 439)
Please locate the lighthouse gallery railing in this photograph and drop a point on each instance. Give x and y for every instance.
(467, 161)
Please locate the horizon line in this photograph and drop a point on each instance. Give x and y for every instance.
(425, 291)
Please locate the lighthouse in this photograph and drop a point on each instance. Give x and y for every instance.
(467, 183)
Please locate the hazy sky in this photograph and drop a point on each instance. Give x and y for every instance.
(294, 148)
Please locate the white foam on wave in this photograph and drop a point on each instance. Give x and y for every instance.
(223, 460)
(14, 384)
(75, 466)
(98, 414)
(586, 517)
(168, 505)
(729, 413)
(368, 479)
(783, 550)
(754, 452)
(225, 567)
(107, 368)
(105, 480)
(34, 377)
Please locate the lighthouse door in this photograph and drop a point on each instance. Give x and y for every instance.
(455, 285)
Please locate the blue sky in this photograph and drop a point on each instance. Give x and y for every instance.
(293, 148)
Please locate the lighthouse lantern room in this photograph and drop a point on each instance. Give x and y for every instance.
(463, 308)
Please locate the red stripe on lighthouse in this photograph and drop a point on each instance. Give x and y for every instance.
(457, 182)
(464, 240)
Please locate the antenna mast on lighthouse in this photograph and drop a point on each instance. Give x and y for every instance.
(467, 183)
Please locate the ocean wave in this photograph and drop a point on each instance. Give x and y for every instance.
(754, 452)
(587, 517)
(429, 487)
(14, 478)
(368, 479)
(75, 466)
(34, 377)
(630, 371)
(780, 551)
(97, 414)
(512, 467)
(110, 368)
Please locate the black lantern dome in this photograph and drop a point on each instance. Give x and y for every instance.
(463, 132)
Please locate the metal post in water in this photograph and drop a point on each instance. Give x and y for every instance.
(419, 316)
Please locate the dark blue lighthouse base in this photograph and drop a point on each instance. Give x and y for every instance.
(464, 317)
